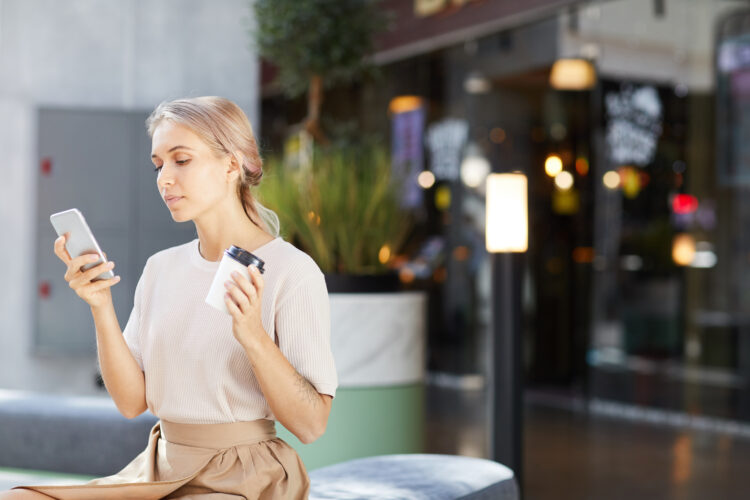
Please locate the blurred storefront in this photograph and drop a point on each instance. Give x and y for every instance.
(631, 120)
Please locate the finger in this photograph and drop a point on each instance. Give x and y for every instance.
(75, 265)
(245, 285)
(84, 259)
(231, 306)
(257, 278)
(238, 297)
(60, 250)
(90, 274)
(95, 286)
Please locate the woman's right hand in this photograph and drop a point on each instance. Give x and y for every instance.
(95, 293)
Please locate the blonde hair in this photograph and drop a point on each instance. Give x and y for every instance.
(226, 130)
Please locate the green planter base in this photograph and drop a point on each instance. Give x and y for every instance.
(366, 422)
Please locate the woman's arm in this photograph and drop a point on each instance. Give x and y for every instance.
(121, 373)
(122, 376)
(293, 400)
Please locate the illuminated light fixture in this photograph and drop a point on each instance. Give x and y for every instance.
(507, 213)
(426, 179)
(611, 180)
(683, 249)
(384, 255)
(572, 74)
(705, 258)
(583, 255)
(582, 166)
(630, 181)
(404, 104)
(474, 167)
(477, 83)
(443, 198)
(684, 204)
(564, 181)
(553, 165)
(406, 275)
(497, 135)
(507, 238)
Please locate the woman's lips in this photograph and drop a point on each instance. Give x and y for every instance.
(172, 200)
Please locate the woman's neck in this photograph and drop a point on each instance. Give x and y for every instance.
(234, 228)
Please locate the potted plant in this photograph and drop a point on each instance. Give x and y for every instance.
(345, 212)
(341, 205)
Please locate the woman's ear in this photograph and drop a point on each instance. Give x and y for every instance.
(234, 167)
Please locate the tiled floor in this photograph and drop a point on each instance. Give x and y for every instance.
(571, 453)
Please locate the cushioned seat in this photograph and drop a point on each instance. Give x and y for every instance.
(418, 476)
(73, 434)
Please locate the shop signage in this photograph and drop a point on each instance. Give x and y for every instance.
(634, 124)
(733, 111)
(445, 141)
(407, 154)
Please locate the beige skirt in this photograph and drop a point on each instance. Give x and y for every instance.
(206, 461)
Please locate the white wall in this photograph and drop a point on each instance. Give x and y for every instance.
(113, 54)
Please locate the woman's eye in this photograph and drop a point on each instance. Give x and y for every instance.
(181, 162)
(157, 169)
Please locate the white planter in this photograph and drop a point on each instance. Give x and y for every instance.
(379, 339)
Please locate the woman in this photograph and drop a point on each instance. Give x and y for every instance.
(215, 381)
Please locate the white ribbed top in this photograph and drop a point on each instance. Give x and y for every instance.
(195, 370)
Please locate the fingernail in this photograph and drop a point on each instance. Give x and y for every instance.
(93, 257)
(235, 274)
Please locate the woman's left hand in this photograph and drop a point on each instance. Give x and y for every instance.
(243, 301)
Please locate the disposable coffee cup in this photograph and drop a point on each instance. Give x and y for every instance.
(234, 259)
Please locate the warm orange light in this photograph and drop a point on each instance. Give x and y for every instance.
(630, 180)
(384, 255)
(582, 166)
(313, 217)
(553, 165)
(583, 255)
(572, 74)
(683, 249)
(461, 253)
(497, 135)
(404, 104)
(406, 275)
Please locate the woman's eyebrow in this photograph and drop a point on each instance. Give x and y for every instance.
(176, 147)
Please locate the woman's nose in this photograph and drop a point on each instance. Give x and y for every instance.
(164, 178)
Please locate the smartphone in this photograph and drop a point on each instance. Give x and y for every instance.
(80, 239)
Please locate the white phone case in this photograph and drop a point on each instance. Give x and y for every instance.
(80, 238)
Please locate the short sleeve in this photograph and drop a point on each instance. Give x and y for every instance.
(132, 332)
(303, 329)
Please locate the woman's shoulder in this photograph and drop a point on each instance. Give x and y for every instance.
(291, 259)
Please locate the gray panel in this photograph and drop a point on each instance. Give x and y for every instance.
(100, 165)
(89, 171)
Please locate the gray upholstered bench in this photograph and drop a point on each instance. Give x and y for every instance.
(88, 436)
(71, 434)
(414, 477)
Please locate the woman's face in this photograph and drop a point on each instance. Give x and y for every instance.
(191, 179)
